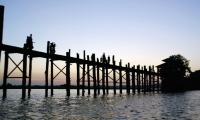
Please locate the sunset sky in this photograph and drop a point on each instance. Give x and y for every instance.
(137, 31)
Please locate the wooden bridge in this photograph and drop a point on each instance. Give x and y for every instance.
(137, 79)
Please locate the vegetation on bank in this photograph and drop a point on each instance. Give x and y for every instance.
(177, 76)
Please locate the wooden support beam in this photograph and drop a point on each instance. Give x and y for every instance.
(120, 76)
(145, 79)
(47, 70)
(83, 81)
(68, 73)
(88, 75)
(114, 75)
(24, 72)
(94, 75)
(158, 71)
(30, 75)
(138, 78)
(142, 79)
(1, 27)
(52, 77)
(103, 75)
(5, 75)
(16, 65)
(150, 75)
(78, 75)
(107, 85)
(128, 78)
(153, 79)
(98, 84)
(133, 79)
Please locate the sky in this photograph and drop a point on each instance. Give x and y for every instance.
(139, 32)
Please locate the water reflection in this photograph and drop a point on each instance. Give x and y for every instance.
(180, 105)
(121, 106)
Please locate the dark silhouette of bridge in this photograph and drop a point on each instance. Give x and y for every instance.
(137, 79)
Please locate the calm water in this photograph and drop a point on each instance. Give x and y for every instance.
(184, 105)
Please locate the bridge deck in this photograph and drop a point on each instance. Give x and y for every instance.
(34, 53)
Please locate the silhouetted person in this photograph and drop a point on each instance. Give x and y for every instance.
(29, 42)
(102, 59)
(108, 61)
(52, 48)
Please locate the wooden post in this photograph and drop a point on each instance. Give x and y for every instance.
(78, 75)
(150, 78)
(133, 79)
(1, 27)
(98, 85)
(52, 76)
(120, 76)
(128, 78)
(83, 80)
(94, 75)
(24, 72)
(68, 73)
(107, 77)
(114, 75)
(88, 74)
(158, 72)
(153, 79)
(30, 72)
(47, 70)
(145, 79)
(103, 75)
(5, 75)
(142, 79)
(138, 78)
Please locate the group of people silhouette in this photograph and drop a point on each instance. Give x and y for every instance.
(107, 61)
(29, 43)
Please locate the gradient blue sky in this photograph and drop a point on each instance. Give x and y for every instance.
(137, 31)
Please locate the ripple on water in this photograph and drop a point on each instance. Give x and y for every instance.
(138, 106)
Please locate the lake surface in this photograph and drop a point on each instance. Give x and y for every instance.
(185, 105)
